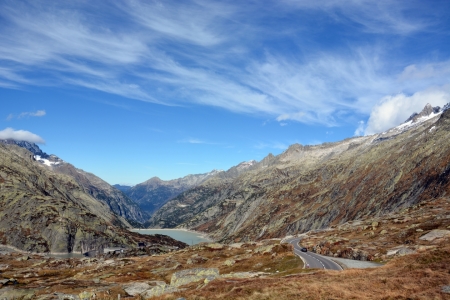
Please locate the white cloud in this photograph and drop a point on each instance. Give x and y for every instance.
(38, 113)
(360, 129)
(213, 53)
(20, 135)
(383, 16)
(391, 111)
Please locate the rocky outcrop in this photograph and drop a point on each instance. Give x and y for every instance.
(45, 211)
(313, 187)
(116, 200)
(427, 110)
(192, 275)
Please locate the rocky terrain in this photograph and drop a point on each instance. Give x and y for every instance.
(255, 270)
(314, 187)
(419, 228)
(152, 194)
(116, 200)
(46, 211)
(141, 272)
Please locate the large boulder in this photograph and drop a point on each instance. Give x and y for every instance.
(193, 275)
(435, 234)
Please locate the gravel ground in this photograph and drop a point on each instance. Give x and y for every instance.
(355, 264)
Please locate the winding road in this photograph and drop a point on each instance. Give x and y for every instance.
(314, 260)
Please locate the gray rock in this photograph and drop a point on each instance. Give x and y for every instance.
(192, 275)
(11, 293)
(136, 288)
(62, 296)
(446, 289)
(434, 234)
(229, 262)
(159, 290)
(405, 251)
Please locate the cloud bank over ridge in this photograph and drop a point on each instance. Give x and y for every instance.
(20, 135)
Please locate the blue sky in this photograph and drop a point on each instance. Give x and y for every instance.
(133, 89)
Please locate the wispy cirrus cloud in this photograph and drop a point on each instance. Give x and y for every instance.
(196, 141)
(271, 145)
(385, 16)
(247, 58)
(38, 113)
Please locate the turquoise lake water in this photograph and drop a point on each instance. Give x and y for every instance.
(190, 238)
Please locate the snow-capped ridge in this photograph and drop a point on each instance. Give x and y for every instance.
(46, 161)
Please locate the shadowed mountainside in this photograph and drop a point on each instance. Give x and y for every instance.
(43, 211)
(152, 194)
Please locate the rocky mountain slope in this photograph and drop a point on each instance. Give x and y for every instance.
(154, 193)
(116, 200)
(45, 211)
(312, 187)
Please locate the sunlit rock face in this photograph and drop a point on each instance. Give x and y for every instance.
(312, 187)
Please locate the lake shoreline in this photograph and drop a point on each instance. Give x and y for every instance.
(202, 235)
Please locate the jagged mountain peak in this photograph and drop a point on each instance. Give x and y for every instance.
(426, 111)
(32, 147)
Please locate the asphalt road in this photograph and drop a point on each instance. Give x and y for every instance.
(314, 260)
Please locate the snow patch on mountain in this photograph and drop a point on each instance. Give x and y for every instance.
(46, 161)
(411, 123)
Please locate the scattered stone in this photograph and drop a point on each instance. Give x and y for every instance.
(265, 249)
(23, 258)
(187, 276)
(229, 262)
(136, 288)
(446, 289)
(86, 295)
(8, 281)
(215, 246)
(384, 231)
(236, 245)
(419, 230)
(160, 290)
(62, 296)
(11, 293)
(401, 251)
(208, 279)
(405, 251)
(434, 234)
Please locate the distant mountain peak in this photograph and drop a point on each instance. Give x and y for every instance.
(32, 147)
(426, 112)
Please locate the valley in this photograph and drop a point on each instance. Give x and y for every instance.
(382, 199)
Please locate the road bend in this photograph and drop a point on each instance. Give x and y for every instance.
(314, 260)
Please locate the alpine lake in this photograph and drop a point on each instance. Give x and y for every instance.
(188, 237)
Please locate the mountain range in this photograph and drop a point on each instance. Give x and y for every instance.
(154, 193)
(48, 204)
(313, 187)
